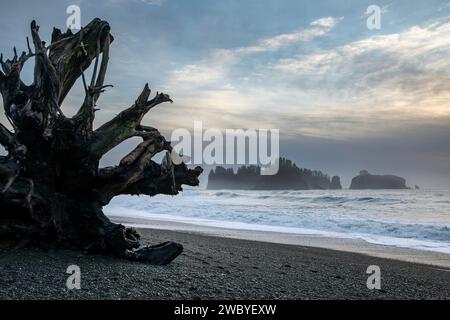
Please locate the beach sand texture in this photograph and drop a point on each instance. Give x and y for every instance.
(218, 268)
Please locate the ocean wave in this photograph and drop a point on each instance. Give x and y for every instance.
(329, 199)
(404, 215)
(226, 194)
(304, 197)
(366, 199)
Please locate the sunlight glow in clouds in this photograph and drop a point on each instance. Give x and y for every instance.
(344, 97)
(401, 77)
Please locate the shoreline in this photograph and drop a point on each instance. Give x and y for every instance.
(347, 245)
(218, 268)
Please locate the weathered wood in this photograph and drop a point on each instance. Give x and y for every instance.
(51, 187)
(126, 124)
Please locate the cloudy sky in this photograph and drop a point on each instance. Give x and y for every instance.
(344, 97)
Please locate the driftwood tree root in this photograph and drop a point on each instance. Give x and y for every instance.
(51, 187)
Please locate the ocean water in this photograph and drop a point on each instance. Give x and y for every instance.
(418, 219)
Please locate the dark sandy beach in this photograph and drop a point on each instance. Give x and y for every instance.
(218, 268)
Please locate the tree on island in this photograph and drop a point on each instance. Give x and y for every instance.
(51, 187)
(289, 176)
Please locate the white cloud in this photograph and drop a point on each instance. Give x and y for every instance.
(374, 86)
(410, 68)
(319, 28)
(154, 2)
(328, 22)
(213, 69)
(197, 75)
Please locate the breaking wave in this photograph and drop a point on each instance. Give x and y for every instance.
(418, 219)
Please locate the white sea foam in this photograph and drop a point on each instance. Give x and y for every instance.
(416, 219)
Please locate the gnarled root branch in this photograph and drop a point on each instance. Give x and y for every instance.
(160, 254)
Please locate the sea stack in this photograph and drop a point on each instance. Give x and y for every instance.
(336, 183)
(365, 180)
(288, 177)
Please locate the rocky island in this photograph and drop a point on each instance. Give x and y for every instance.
(365, 180)
(289, 176)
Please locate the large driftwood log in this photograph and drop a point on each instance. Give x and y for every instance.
(51, 187)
